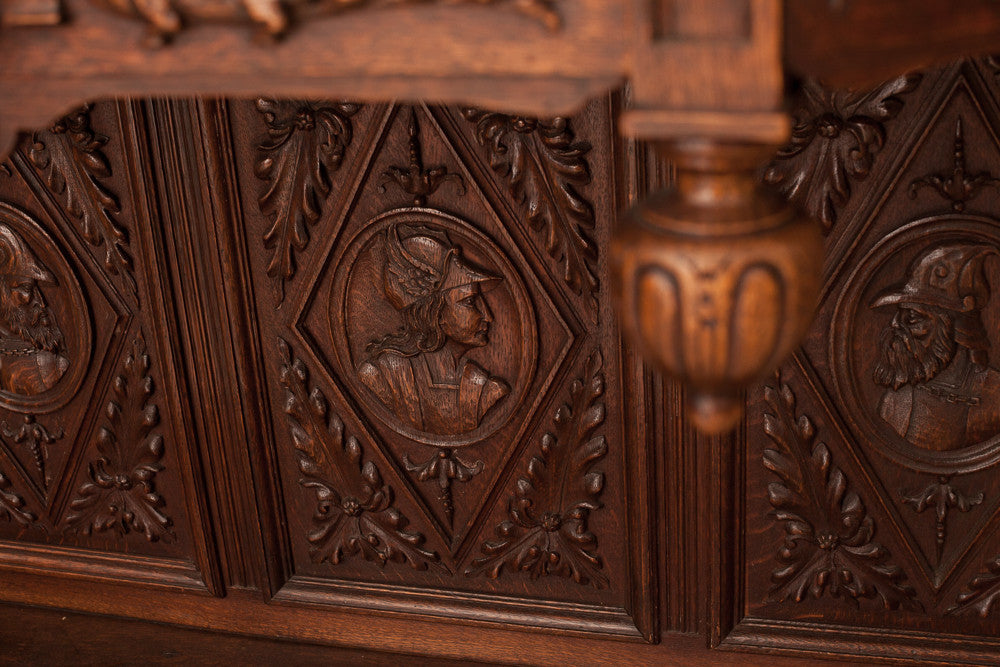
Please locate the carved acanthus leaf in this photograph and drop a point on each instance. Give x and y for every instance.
(547, 533)
(834, 139)
(981, 594)
(120, 493)
(70, 155)
(306, 144)
(12, 505)
(354, 512)
(829, 544)
(545, 166)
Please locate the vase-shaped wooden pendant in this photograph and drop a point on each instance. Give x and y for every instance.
(716, 277)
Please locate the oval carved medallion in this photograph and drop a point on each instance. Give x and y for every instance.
(916, 344)
(45, 328)
(433, 327)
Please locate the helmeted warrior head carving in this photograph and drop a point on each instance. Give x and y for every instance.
(420, 268)
(423, 263)
(17, 262)
(950, 281)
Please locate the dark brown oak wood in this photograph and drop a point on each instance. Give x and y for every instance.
(862, 42)
(292, 356)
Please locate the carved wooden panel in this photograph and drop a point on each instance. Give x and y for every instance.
(359, 360)
(872, 490)
(93, 453)
(441, 369)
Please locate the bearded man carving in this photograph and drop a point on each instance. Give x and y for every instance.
(941, 392)
(31, 344)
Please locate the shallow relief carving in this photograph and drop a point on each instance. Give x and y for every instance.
(835, 140)
(274, 18)
(926, 386)
(423, 370)
(45, 326)
(901, 368)
(830, 546)
(455, 352)
(71, 157)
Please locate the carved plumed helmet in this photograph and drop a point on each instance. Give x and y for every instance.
(16, 261)
(420, 262)
(951, 277)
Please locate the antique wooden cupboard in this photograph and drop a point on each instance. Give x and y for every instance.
(345, 370)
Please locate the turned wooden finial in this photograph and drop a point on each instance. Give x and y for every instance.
(717, 277)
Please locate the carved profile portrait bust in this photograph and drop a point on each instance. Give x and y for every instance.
(420, 370)
(32, 355)
(941, 392)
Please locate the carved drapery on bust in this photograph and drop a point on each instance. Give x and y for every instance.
(420, 371)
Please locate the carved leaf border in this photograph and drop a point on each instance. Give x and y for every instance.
(547, 532)
(305, 145)
(12, 505)
(835, 138)
(120, 492)
(354, 513)
(545, 167)
(829, 545)
(70, 156)
(981, 593)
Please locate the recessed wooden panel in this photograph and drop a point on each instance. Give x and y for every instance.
(92, 455)
(872, 488)
(442, 368)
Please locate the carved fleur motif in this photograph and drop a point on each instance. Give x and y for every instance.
(835, 138)
(36, 438)
(354, 512)
(120, 493)
(547, 533)
(829, 544)
(305, 145)
(981, 594)
(12, 505)
(546, 166)
(415, 179)
(942, 496)
(70, 155)
(959, 186)
(446, 467)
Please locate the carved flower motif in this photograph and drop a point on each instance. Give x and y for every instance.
(836, 136)
(545, 167)
(354, 514)
(829, 544)
(547, 533)
(120, 492)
